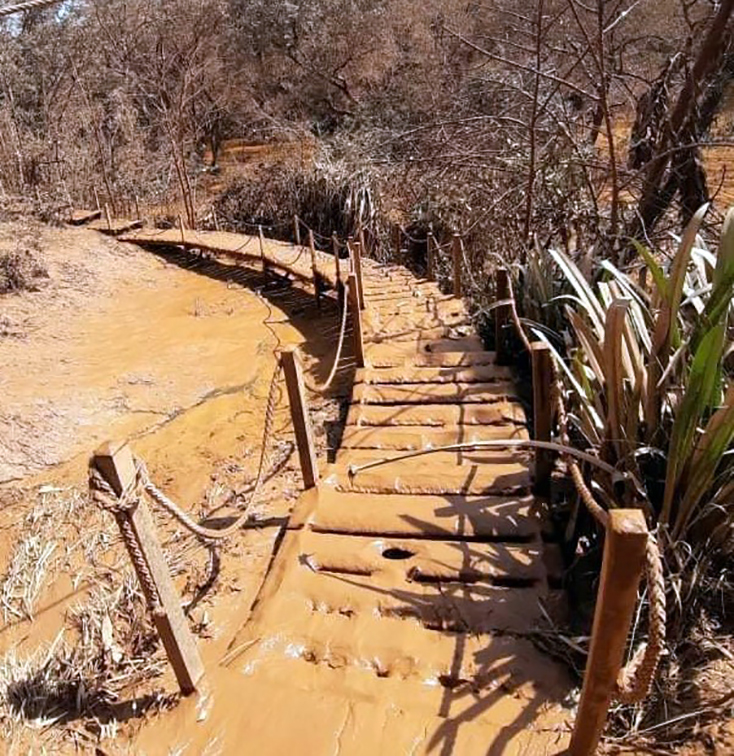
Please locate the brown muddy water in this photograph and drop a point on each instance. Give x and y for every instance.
(176, 356)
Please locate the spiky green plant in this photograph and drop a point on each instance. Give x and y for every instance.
(645, 378)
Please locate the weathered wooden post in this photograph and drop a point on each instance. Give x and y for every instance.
(116, 465)
(181, 228)
(299, 415)
(261, 241)
(137, 207)
(542, 413)
(96, 199)
(314, 269)
(624, 558)
(297, 230)
(337, 262)
(430, 256)
(502, 315)
(356, 320)
(107, 216)
(356, 252)
(456, 255)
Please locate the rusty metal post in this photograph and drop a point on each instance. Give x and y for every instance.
(624, 559)
(430, 256)
(502, 315)
(116, 465)
(456, 254)
(299, 415)
(107, 216)
(356, 320)
(542, 413)
(356, 250)
(297, 230)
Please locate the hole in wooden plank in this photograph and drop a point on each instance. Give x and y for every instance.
(395, 552)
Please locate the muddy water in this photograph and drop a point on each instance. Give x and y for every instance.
(124, 344)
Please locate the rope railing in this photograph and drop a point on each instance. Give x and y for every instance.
(636, 677)
(318, 388)
(29, 5)
(103, 494)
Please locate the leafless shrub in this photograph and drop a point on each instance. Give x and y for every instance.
(21, 270)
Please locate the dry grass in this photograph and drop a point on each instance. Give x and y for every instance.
(21, 270)
(102, 668)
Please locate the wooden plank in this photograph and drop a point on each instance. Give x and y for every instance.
(436, 415)
(415, 437)
(624, 559)
(115, 463)
(434, 393)
(434, 374)
(448, 517)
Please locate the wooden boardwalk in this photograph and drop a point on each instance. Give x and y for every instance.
(404, 595)
(397, 616)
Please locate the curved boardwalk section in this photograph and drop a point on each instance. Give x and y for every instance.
(397, 615)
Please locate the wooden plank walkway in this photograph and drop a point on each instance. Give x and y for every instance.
(397, 616)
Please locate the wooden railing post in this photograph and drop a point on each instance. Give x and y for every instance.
(542, 413)
(356, 319)
(181, 228)
(107, 216)
(430, 256)
(297, 230)
(314, 269)
(501, 316)
(261, 242)
(624, 559)
(456, 254)
(337, 262)
(116, 465)
(299, 415)
(356, 251)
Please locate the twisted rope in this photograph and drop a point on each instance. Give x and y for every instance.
(121, 506)
(635, 678)
(30, 5)
(318, 388)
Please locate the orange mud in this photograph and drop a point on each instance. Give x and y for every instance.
(119, 343)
